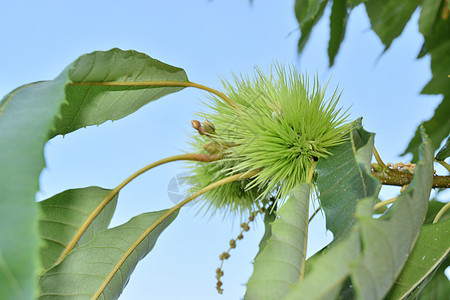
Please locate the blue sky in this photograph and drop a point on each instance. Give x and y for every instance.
(208, 39)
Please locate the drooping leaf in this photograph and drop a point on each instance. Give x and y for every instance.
(389, 17)
(26, 115)
(434, 27)
(278, 266)
(343, 179)
(64, 213)
(87, 104)
(429, 15)
(431, 248)
(308, 13)
(33, 113)
(444, 152)
(440, 60)
(83, 274)
(438, 127)
(328, 271)
(439, 286)
(387, 243)
(338, 24)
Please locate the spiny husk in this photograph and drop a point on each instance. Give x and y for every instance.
(281, 127)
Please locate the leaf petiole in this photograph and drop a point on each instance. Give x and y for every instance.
(115, 191)
(214, 185)
(162, 84)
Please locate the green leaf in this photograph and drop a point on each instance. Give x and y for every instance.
(90, 104)
(33, 113)
(81, 274)
(389, 17)
(387, 243)
(433, 208)
(26, 115)
(344, 179)
(429, 15)
(354, 3)
(64, 213)
(431, 248)
(440, 62)
(329, 271)
(444, 152)
(308, 13)
(438, 287)
(433, 26)
(338, 23)
(279, 264)
(438, 128)
(269, 218)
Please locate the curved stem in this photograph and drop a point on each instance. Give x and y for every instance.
(163, 217)
(115, 191)
(444, 164)
(314, 214)
(384, 203)
(163, 83)
(378, 158)
(441, 212)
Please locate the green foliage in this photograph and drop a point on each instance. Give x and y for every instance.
(445, 151)
(438, 126)
(93, 104)
(278, 265)
(431, 249)
(392, 238)
(33, 113)
(329, 270)
(64, 213)
(439, 286)
(375, 250)
(308, 13)
(81, 274)
(277, 128)
(338, 24)
(26, 116)
(343, 179)
(434, 207)
(388, 19)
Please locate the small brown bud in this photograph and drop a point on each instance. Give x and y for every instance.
(195, 124)
(240, 237)
(224, 255)
(251, 218)
(219, 284)
(245, 227)
(219, 272)
(232, 244)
